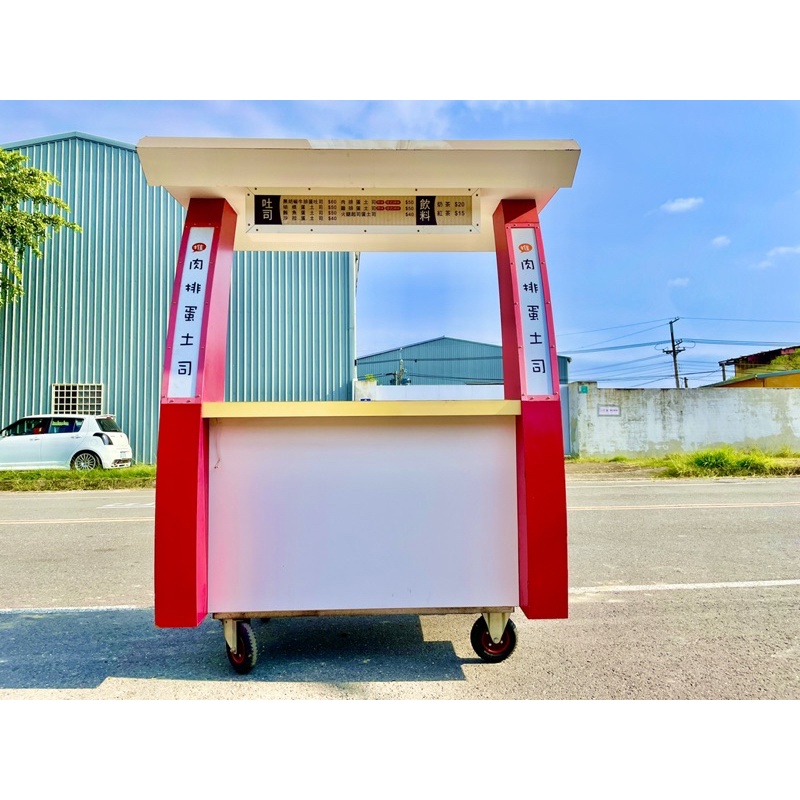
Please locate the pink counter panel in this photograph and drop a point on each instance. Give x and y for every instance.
(362, 513)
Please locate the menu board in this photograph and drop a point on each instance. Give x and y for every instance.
(364, 211)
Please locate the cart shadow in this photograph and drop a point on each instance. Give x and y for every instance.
(81, 649)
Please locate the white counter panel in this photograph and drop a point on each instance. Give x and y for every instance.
(351, 513)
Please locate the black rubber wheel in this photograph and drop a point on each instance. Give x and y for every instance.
(244, 659)
(483, 645)
(85, 460)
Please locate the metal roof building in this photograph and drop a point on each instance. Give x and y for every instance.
(451, 362)
(442, 361)
(89, 332)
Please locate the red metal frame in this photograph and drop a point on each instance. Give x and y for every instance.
(541, 486)
(181, 524)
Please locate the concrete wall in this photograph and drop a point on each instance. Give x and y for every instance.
(654, 422)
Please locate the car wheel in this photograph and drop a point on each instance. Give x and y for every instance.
(85, 460)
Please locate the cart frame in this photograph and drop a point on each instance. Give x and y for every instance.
(214, 226)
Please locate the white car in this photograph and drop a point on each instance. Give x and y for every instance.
(55, 441)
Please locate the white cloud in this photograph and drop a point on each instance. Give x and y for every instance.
(678, 283)
(720, 241)
(511, 107)
(777, 252)
(681, 204)
(784, 251)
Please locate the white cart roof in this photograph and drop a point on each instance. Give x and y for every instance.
(310, 183)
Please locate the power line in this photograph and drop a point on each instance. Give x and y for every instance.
(685, 341)
(613, 327)
(741, 344)
(625, 363)
(617, 347)
(725, 319)
(626, 335)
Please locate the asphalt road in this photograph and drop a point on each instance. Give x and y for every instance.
(679, 589)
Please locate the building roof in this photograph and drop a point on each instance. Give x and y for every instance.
(752, 376)
(765, 356)
(63, 136)
(428, 341)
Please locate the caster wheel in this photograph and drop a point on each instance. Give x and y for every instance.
(484, 646)
(244, 659)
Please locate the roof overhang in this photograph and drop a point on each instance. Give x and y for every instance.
(237, 169)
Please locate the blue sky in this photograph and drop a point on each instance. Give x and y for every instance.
(683, 209)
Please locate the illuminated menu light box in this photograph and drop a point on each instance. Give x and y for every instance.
(379, 213)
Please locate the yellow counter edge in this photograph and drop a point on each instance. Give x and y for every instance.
(373, 408)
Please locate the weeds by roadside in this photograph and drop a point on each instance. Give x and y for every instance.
(727, 462)
(61, 480)
(721, 462)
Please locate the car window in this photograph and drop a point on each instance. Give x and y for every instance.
(28, 426)
(40, 425)
(108, 424)
(65, 425)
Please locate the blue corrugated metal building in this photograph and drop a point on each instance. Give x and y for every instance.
(451, 361)
(94, 314)
(442, 361)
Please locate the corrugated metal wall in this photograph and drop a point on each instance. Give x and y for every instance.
(436, 362)
(441, 361)
(292, 327)
(95, 308)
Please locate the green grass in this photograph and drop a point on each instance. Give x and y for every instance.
(727, 462)
(142, 476)
(720, 462)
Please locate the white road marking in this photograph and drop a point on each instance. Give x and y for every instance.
(673, 587)
(69, 610)
(68, 521)
(684, 505)
(654, 587)
(130, 505)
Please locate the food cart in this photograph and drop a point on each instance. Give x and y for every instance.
(255, 514)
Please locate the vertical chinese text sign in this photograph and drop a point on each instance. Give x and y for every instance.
(189, 317)
(536, 344)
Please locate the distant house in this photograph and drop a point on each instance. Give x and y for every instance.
(770, 368)
(786, 379)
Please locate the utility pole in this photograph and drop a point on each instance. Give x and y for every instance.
(675, 350)
(401, 371)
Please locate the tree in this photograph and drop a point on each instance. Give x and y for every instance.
(785, 362)
(25, 222)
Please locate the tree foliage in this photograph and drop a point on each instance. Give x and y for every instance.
(785, 362)
(28, 217)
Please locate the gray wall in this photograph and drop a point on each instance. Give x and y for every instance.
(654, 422)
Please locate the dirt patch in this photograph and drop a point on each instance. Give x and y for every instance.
(604, 470)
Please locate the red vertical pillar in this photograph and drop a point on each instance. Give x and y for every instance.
(194, 371)
(530, 374)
